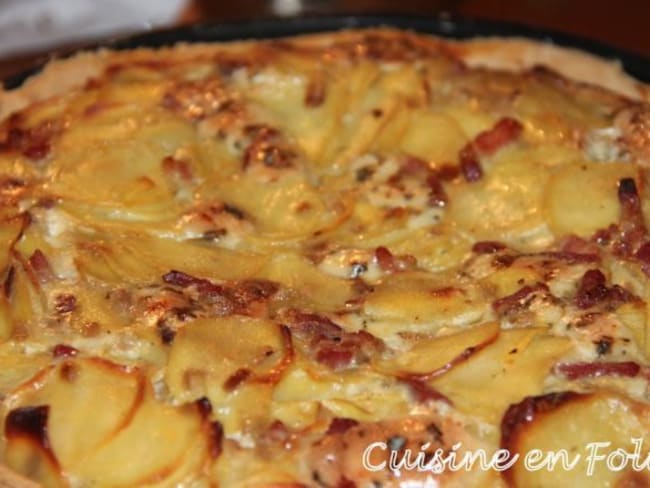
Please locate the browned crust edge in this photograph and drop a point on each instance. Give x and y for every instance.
(510, 54)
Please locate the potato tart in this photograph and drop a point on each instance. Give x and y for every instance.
(336, 260)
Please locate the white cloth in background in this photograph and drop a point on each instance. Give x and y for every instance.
(30, 25)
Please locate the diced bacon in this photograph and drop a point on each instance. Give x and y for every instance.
(330, 344)
(573, 371)
(578, 245)
(503, 132)
(235, 297)
(423, 392)
(216, 438)
(177, 167)
(594, 291)
(571, 257)
(518, 299)
(64, 351)
(335, 357)
(65, 303)
(41, 266)
(437, 195)
(487, 247)
(339, 425)
(469, 163)
(390, 263)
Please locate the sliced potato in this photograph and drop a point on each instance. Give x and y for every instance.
(104, 425)
(578, 428)
(433, 137)
(216, 350)
(582, 198)
(420, 304)
(505, 205)
(70, 388)
(514, 366)
(434, 356)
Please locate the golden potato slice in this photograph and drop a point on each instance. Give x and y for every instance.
(505, 205)
(151, 450)
(433, 137)
(99, 421)
(582, 198)
(584, 432)
(515, 366)
(420, 304)
(433, 356)
(90, 400)
(226, 352)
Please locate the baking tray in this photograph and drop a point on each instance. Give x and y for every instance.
(442, 24)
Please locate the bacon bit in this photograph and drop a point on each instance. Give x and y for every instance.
(503, 132)
(330, 344)
(643, 253)
(236, 379)
(385, 259)
(423, 392)
(216, 439)
(390, 263)
(205, 407)
(469, 164)
(573, 371)
(437, 194)
(518, 299)
(178, 167)
(447, 172)
(571, 257)
(593, 291)
(64, 351)
(238, 297)
(65, 303)
(334, 358)
(632, 229)
(9, 281)
(315, 92)
(503, 260)
(340, 425)
(412, 166)
(578, 245)
(487, 247)
(178, 278)
(41, 266)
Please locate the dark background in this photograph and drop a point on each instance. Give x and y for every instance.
(624, 23)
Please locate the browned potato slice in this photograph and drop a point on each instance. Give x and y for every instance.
(90, 400)
(585, 429)
(99, 421)
(434, 356)
(514, 366)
